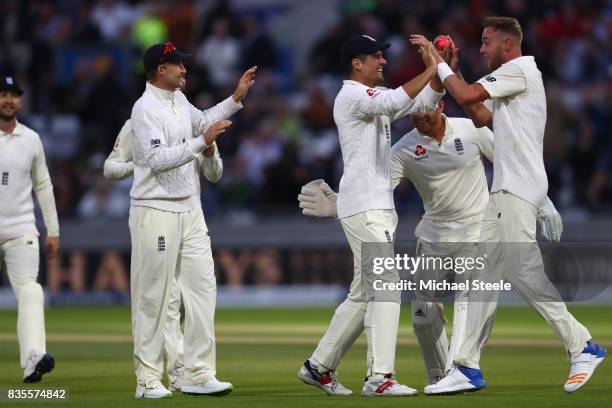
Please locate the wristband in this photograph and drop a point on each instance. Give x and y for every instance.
(444, 71)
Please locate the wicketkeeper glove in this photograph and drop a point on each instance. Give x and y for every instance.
(550, 221)
(317, 199)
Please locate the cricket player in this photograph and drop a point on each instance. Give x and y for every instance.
(363, 114)
(443, 158)
(118, 166)
(170, 239)
(517, 112)
(23, 169)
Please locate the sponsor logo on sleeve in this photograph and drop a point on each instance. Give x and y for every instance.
(490, 78)
(155, 142)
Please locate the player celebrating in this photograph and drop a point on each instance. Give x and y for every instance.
(23, 170)
(518, 116)
(118, 166)
(442, 157)
(363, 114)
(169, 235)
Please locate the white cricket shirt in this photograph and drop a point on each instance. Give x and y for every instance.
(167, 138)
(118, 165)
(363, 116)
(519, 118)
(449, 177)
(22, 170)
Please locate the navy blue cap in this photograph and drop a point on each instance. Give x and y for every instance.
(161, 53)
(361, 44)
(8, 83)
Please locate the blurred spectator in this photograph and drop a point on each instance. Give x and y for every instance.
(114, 19)
(259, 150)
(220, 54)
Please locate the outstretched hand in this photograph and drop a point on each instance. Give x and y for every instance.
(244, 84)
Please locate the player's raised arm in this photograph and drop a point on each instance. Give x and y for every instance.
(201, 119)
(365, 64)
(118, 165)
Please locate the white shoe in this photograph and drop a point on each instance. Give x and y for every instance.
(328, 382)
(175, 379)
(152, 392)
(458, 380)
(37, 365)
(385, 386)
(211, 387)
(583, 366)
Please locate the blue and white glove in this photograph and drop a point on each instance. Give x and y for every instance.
(550, 221)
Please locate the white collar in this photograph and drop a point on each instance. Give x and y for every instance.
(162, 94)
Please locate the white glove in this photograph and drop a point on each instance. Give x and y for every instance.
(550, 221)
(317, 199)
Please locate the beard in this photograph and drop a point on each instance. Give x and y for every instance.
(7, 118)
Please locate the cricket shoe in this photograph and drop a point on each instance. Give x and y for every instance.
(328, 382)
(37, 365)
(583, 366)
(385, 386)
(154, 391)
(458, 380)
(212, 387)
(175, 379)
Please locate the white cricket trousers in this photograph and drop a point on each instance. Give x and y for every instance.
(20, 257)
(508, 225)
(166, 245)
(380, 319)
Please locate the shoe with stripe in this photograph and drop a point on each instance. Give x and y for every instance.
(328, 381)
(458, 380)
(385, 386)
(583, 366)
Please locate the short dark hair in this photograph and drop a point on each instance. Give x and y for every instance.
(349, 64)
(152, 74)
(508, 25)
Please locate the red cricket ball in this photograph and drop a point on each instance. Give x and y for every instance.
(443, 42)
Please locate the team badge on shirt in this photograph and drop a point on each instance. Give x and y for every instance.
(161, 243)
(420, 152)
(371, 92)
(5, 176)
(459, 146)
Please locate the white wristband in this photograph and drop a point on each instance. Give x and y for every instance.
(444, 71)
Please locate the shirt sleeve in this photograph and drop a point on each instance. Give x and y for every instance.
(43, 189)
(118, 165)
(425, 101)
(150, 139)
(507, 80)
(484, 140)
(368, 102)
(398, 158)
(202, 119)
(212, 167)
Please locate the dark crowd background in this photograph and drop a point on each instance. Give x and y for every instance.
(80, 65)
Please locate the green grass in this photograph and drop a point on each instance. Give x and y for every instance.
(97, 369)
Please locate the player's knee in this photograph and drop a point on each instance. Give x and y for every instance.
(30, 292)
(425, 314)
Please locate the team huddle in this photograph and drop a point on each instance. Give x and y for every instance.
(168, 143)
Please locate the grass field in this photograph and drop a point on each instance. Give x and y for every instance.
(260, 351)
